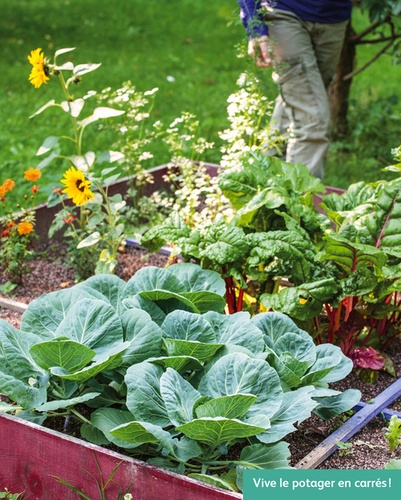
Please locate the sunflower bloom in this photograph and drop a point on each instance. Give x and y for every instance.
(39, 71)
(77, 187)
(24, 228)
(3, 191)
(8, 185)
(32, 174)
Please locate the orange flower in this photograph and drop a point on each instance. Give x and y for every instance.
(8, 185)
(25, 228)
(11, 224)
(5, 233)
(3, 191)
(35, 189)
(32, 174)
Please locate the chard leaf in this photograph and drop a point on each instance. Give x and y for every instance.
(232, 407)
(93, 323)
(236, 329)
(65, 353)
(143, 334)
(296, 407)
(383, 226)
(144, 400)
(292, 248)
(199, 350)
(106, 419)
(350, 256)
(236, 373)
(302, 302)
(171, 230)
(218, 430)
(179, 397)
(185, 325)
(332, 406)
(44, 314)
(224, 243)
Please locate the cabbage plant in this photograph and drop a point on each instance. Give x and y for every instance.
(167, 375)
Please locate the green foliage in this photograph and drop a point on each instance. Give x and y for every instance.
(393, 433)
(11, 496)
(168, 375)
(345, 261)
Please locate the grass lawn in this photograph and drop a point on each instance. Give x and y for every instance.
(189, 51)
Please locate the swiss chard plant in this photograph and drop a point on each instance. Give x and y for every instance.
(167, 375)
(342, 265)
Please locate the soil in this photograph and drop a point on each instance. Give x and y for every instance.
(369, 447)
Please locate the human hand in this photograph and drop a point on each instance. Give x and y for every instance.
(258, 49)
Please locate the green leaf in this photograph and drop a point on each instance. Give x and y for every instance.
(262, 456)
(330, 366)
(224, 243)
(335, 405)
(170, 230)
(106, 419)
(295, 408)
(195, 279)
(68, 354)
(143, 334)
(93, 323)
(302, 302)
(48, 144)
(44, 314)
(179, 397)
(66, 403)
(180, 364)
(90, 240)
(144, 399)
(236, 329)
(189, 348)
(110, 286)
(82, 69)
(183, 325)
(231, 407)
(214, 431)
(214, 480)
(236, 373)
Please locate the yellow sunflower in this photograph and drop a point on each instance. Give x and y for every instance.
(39, 72)
(77, 186)
(32, 174)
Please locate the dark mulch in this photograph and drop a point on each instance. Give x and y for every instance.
(369, 447)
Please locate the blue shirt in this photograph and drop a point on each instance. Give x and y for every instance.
(316, 11)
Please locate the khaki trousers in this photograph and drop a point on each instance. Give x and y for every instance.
(305, 56)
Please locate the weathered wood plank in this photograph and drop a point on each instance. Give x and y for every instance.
(387, 413)
(32, 455)
(13, 305)
(350, 427)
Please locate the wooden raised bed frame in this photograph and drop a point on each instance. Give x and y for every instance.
(31, 455)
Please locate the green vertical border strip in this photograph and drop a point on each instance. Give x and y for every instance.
(321, 484)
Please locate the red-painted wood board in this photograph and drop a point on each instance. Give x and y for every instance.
(30, 455)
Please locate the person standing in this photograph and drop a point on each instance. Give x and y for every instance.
(302, 41)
